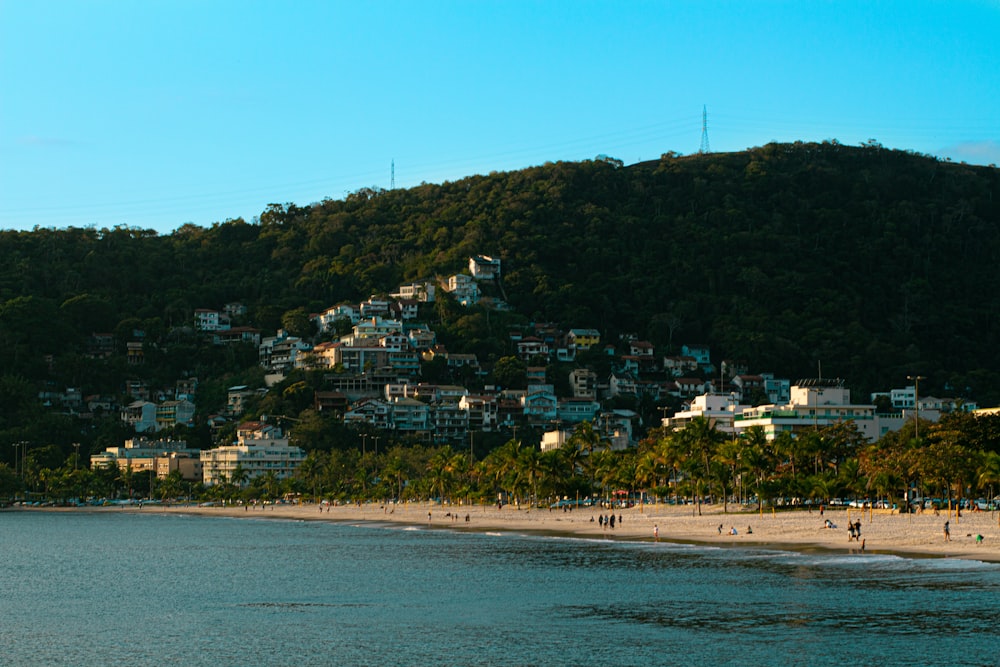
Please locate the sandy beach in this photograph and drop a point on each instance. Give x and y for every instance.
(882, 532)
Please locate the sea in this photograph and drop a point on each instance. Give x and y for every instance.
(104, 588)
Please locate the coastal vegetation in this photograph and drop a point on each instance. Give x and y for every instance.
(957, 460)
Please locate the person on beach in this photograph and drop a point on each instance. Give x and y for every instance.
(656, 533)
(947, 532)
(720, 529)
(732, 530)
(850, 531)
(857, 530)
(749, 530)
(612, 521)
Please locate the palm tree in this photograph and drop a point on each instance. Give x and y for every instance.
(270, 484)
(757, 457)
(440, 472)
(395, 469)
(239, 476)
(586, 439)
(172, 485)
(529, 469)
(697, 444)
(311, 471)
(728, 456)
(988, 472)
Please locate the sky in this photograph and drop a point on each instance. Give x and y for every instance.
(160, 113)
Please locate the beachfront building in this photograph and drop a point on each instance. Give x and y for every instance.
(259, 449)
(719, 409)
(816, 403)
(161, 457)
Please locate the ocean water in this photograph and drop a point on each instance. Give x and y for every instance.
(108, 588)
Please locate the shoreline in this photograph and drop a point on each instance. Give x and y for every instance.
(884, 533)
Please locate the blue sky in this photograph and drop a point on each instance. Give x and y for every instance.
(158, 113)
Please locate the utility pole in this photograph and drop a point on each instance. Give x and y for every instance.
(916, 403)
(704, 131)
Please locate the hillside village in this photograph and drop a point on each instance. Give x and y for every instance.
(373, 382)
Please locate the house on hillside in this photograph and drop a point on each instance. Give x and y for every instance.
(530, 347)
(702, 356)
(423, 292)
(172, 413)
(583, 382)
(583, 339)
(374, 411)
(680, 366)
(140, 415)
(484, 267)
(464, 288)
(540, 404)
(577, 410)
(206, 319)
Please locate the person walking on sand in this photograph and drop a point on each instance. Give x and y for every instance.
(857, 530)
(656, 533)
(947, 532)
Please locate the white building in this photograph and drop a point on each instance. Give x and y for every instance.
(259, 449)
(159, 457)
(484, 267)
(206, 319)
(464, 288)
(416, 291)
(719, 409)
(140, 415)
(815, 404)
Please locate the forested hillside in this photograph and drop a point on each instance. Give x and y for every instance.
(874, 263)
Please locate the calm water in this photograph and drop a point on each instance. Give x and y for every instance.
(97, 589)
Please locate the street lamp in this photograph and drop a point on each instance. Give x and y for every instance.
(916, 403)
(16, 456)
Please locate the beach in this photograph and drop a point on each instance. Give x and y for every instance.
(882, 531)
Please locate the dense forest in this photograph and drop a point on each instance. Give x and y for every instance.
(869, 263)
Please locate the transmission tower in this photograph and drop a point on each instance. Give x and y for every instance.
(392, 175)
(704, 131)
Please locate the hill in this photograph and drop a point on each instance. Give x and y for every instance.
(872, 262)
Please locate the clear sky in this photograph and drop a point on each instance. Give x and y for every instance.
(157, 113)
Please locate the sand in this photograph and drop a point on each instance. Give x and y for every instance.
(882, 531)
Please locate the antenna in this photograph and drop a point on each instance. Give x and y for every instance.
(704, 131)
(392, 175)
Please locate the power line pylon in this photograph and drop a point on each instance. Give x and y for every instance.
(704, 131)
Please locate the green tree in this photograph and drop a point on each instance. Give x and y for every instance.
(510, 373)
